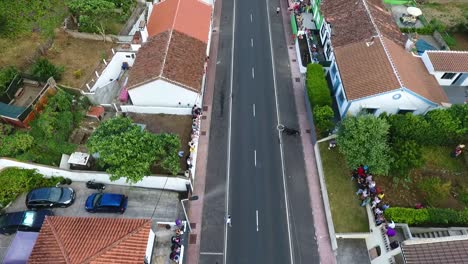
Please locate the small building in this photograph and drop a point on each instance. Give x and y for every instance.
(80, 161)
(24, 99)
(450, 68)
(372, 71)
(452, 249)
(169, 68)
(77, 240)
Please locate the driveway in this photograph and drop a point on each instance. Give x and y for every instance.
(161, 206)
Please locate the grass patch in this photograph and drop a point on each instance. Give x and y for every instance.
(348, 215)
(438, 158)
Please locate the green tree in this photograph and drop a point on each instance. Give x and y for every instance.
(129, 152)
(44, 69)
(6, 76)
(444, 128)
(16, 144)
(363, 140)
(408, 127)
(91, 13)
(323, 117)
(406, 155)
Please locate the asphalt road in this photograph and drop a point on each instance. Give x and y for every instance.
(256, 184)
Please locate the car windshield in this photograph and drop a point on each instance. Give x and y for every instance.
(29, 218)
(55, 194)
(97, 199)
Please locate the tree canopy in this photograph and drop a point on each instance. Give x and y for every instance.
(127, 151)
(363, 140)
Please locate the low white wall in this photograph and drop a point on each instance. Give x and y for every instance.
(155, 181)
(156, 110)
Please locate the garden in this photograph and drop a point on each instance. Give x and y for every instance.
(15, 181)
(412, 160)
(29, 32)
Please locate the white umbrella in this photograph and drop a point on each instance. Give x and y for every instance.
(414, 11)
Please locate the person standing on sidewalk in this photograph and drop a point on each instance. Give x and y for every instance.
(278, 10)
(228, 220)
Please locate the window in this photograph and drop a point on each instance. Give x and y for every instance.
(337, 84)
(404, 111)
(333, 71)
(328, 50)
(341, 98)
(371, 111)
(448, 75)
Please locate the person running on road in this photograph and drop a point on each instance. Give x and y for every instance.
(228, 220)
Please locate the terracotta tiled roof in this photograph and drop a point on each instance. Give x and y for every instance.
(91, 240)
(414, 74)
(449, 61)
(365, 70)
(428, 252)
(351, 22)
(172, 56)
(191, 17)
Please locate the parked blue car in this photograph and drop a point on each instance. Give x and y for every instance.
(106, 203)
(22, 221)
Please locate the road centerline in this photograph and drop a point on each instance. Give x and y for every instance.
(251, 42)
(253, 73)
(255, 157)
(251, 18)
(256, 215)
(253, 109)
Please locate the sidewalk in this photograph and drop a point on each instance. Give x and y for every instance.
(195, 209)
(318, 210)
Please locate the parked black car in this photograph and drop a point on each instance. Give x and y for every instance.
(22, 221)
(106, 203)
(50, 197)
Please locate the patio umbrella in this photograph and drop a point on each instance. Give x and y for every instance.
(414, 11)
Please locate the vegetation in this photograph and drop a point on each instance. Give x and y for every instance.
(125, 150)
(406, 155)
(323, 117)
(43, 69)
(95, 16)
(347, 214)
(435, 190)
(428, 217)
(22, 17)
(317, 87)
(6, 76)
(15, 181)
(363, 139)
(48, 137)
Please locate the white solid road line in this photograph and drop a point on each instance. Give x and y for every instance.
(256, 212)
(254, 110)
(251, 42)
(229, 130)
(253, 73)
(255, 157)
(212, 253)
(251, 18)
(286, 201)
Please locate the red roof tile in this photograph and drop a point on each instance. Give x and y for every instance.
(451, 250)
(449, 61)
(191, 17)
(365, 70)
(91, 240)
(414, 75)
(172, 56)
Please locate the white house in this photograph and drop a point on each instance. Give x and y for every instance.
(448, 67)
(168, 73)
(371, 70)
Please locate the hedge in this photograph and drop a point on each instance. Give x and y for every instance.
(428, 217)
(317, 87)
(15, 181)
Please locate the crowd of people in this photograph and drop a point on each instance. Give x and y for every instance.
(176, 241)
(371, 194)
(196, 122)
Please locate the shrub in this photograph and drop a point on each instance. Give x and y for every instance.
(323, 117)
(317, 87)
(15, 181)
(43, 69)
(451, 42)
(444, 128)
(78, 73)
(406, 155)
(428, 217)
(362, 139)
(408, 127)
(435, 190)
(6, 76)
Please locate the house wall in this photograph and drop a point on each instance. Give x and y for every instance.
(113, 69)
(156, 110)
(385, 102)
(39, 106)
(14, 122)
(149, 246)
(448, 82)
(163, 94)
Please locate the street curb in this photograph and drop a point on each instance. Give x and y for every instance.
(323, 189)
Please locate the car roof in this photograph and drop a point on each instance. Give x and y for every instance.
(29, 218)
(111, 199)
(40, 194)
